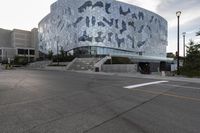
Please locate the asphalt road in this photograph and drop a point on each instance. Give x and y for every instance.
(70, 102)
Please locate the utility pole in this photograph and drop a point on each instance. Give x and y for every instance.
(178, 14)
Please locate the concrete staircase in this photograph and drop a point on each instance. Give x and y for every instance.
(83, 64)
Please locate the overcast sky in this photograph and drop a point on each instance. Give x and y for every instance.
(25, 14)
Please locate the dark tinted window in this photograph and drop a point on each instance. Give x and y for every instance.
(23, 51)
(32, 52)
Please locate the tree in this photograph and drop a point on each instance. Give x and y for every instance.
(198, 33)
(192, 61)
(171, 55)
(62, 54)
(50, 55)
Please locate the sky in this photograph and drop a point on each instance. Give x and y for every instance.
(25, 14)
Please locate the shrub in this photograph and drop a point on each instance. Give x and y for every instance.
(20, 60)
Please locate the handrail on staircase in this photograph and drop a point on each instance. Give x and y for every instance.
(101, 62)
(70, 64)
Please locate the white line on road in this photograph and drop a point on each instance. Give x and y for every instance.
(143, 84)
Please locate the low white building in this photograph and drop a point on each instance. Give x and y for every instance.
(18, 43)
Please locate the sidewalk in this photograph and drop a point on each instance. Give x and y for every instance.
(152, 76)
(156, 76)
(159, 77)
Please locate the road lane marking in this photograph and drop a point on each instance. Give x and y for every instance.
(144, 84)
(168, 94)
(179, 86)
(182, 97)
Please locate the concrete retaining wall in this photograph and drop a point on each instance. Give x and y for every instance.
(39, 64)
(124, 68)
(54, 68)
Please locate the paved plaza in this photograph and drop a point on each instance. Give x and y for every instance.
(33, 101)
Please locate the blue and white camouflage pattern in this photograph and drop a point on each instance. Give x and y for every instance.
(103, 23)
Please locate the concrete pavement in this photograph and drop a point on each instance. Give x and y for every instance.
(155, 75)
(33, 101)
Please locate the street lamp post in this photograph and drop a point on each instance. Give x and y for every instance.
(184, 33)
(178, 14)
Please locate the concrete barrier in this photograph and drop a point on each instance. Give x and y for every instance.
(122, 68)
(39, 64)
(55, 68)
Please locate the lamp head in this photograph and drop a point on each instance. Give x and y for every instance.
(178, 13)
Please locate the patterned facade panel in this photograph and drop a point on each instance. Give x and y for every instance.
(103, 23)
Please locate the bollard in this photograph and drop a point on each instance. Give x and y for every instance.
(163, 73)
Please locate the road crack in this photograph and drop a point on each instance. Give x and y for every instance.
(124, 112)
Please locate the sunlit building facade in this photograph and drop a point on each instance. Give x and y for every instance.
(103, 27)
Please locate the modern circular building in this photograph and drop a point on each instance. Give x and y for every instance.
(103, 27)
